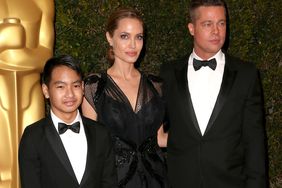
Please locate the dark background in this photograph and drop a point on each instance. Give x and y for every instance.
(255, 35)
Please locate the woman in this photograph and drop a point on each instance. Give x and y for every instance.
(129, 103)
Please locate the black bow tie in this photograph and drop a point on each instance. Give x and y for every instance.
(197, 64)
(62, 127)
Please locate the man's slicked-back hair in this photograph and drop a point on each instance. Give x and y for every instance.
(63, 60)
(194, 4)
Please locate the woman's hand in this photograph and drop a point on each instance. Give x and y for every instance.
(162, 137)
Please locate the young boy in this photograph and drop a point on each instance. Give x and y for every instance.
(65, 149)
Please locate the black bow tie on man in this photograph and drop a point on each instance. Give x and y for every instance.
(197, 64)
(62, 127)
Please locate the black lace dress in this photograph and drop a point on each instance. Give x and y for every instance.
(140, 162)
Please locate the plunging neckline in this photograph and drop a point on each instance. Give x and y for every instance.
(136, 108)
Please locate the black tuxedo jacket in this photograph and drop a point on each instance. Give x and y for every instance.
(231, 153)
(44, 163)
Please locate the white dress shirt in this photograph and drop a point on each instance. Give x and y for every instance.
(75, 145)
(204, 86)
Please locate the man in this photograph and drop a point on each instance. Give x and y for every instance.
(216, 137)
(65, 149)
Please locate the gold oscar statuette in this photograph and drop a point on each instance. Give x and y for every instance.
(26, 42)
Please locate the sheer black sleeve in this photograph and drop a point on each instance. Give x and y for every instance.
(91, 84)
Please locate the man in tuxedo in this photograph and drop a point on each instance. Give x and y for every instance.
(65, 149)
(214, 104)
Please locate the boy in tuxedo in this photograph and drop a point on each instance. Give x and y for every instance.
(65, 149)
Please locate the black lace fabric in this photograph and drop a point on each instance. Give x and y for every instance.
(140, 162)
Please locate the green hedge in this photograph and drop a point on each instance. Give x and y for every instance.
(255, 35)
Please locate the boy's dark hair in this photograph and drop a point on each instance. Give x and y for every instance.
(194, 4)
(63, 60)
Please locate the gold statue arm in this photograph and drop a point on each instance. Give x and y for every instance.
(12, 34)
(46, 37)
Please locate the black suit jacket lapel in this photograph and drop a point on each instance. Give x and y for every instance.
(58, 147)
(181, 77)
(226, 85)
(91, 149)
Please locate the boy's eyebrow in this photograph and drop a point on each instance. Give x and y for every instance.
(78, 81)
(62, 82)
(59, 82)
